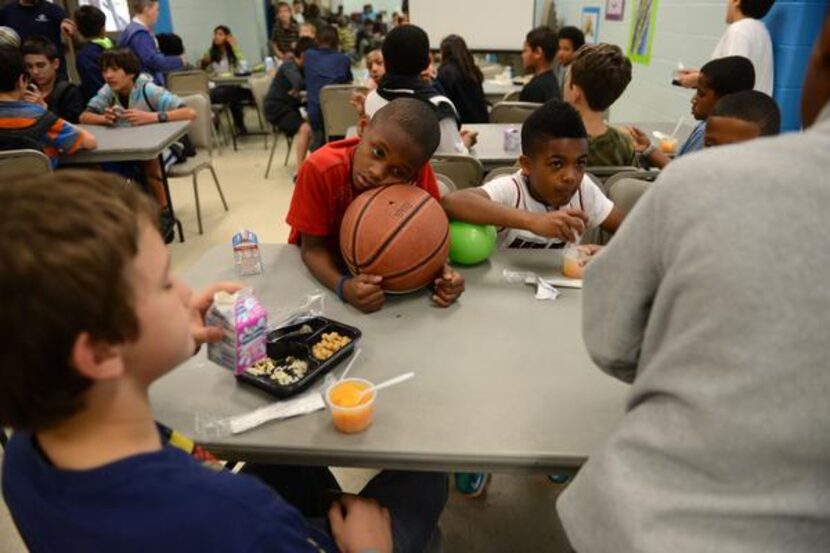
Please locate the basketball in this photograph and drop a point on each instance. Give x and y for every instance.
(398, 232)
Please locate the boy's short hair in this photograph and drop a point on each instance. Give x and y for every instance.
(39, 46)
(122, 58)
(303, 44)
(417, 118)
(756, 9)
(170, 44)
(138, 6)
(328, 37)
(11, 68)
(554, 119)
(751, 106)
(543, 37)
(574, 34)
(729, 75)
(91, 21)
(603, 72)
(66, 272)
(406, 50)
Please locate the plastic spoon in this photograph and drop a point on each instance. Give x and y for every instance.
(382, 385)
(677, 127)
(349, 366)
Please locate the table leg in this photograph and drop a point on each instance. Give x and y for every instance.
(169, 198)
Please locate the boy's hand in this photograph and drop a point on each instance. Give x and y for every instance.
(200, 304)
(110, 116)
(358, 100)
(34, 96)
(568, 224)
(138, 117)
(448, 287)
(68, 27)
(641, 140)
(469, 138)
(687, 77)
(364, 292)
(360, 524)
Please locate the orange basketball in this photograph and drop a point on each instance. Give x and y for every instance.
(398, 232)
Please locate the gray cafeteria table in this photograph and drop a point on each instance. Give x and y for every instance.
(142, 143)
(503, 381)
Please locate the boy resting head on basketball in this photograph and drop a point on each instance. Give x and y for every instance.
(394, 149)
(549, 201)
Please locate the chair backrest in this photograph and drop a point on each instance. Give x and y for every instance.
(626, 192)
(16, 163)
(183, 83)
(512, 112)
(259, 90)
(338, 112)
(445, 184)
(649, 176)
(512, 96)
(605, 172)
(199, 130)
(464, 170)
(500, 172)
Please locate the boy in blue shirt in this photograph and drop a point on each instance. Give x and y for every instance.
(91, 24)
(323, 66)
(94, 316)
(138, 37)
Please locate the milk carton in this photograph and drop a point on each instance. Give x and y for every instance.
(246, 255)
(244, 323)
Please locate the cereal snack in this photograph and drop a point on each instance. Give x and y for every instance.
(329, 344)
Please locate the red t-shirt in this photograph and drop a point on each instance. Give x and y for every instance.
(324, 191)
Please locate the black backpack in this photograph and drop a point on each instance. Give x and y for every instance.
(28, 138)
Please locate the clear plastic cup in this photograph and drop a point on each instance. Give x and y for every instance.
(668, 145)
(574, 260)
(348, 417)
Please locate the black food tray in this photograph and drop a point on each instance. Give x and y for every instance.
(284, 341)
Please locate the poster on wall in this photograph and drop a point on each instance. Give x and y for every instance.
(614, 10)
(590, 24)
(642, 31)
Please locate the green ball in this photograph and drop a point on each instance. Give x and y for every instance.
(471, 244)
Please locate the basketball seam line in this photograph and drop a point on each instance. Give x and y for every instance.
(357, 226)
(386, 242)
(426, 260)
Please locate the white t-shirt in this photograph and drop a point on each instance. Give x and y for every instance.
(513, 191)
(749, 38)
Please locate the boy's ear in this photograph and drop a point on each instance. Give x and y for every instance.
(524, 163)
(56, 64)
(96, 359)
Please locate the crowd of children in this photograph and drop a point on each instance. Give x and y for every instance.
(721, 446)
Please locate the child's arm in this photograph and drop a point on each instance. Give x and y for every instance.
(88, 141)
(475, 206)
(138, 117)
(613, 221)
(362, 291)
(644, 147)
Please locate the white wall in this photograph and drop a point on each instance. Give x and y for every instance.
(194, 21)
(686, 31)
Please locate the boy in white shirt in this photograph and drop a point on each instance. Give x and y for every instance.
(550, 201)
(746, 36)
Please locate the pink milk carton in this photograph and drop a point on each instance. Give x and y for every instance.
(244, 322)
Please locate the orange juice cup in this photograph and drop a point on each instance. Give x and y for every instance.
(574, 260)
(668, 145)
(349, 416)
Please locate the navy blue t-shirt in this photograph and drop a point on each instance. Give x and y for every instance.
(323, 67)
(41, 19)
(162, 501)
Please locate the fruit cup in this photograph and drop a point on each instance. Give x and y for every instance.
(668, 145)
(574, 260)
(348, 413)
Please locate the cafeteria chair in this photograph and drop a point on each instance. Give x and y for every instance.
(649, 176)
(15, 163)
(625, 193)
(500, 172)
(464, 170)
(199, 133)
(445, 184)
(512, 96)
(259, 89)
(512, 112)
(605, 172)
(338, 112)
(185, 83)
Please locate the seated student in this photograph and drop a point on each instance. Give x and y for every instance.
(717, 79)
(138, 37)
(43, 130)
(286, 32)
(394, 149)
(742, 116)
(538, 53)
(307, 30)
(323, 65)
(282, 103)
(406, 57)
(224, 56)
(376, 67)
(88, 468)
(599, 74)
(91, 24)
(46, 89)
(461, 79)
(132, 98)
(366, 37)
(549, 201)
(346, 36)
(570, 40)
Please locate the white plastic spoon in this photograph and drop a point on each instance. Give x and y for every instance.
(382, 385)
(349, 366)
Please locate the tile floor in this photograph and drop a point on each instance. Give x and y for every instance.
(516, 514)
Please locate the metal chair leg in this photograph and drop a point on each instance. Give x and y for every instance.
(198, 205)
(271, 157)
(290, 140)
(218, 187)
(231, 129)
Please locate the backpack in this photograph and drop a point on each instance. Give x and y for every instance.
(28, 138)
(183, 148)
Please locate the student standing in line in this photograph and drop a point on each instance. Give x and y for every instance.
(138, 37)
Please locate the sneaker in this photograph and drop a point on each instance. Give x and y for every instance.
(471, 484)
(559, 478)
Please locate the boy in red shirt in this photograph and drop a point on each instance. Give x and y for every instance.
(394, 149)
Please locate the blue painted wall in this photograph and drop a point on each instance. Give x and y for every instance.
(794, 26)
(165, 22)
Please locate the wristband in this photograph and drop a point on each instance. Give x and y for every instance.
(341, 282)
